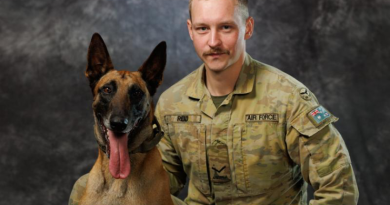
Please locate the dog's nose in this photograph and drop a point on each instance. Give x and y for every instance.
(118, 124)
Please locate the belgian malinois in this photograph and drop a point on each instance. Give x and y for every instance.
(129, 168)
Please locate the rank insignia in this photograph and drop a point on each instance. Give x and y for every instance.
(318, 115)
(305, 94)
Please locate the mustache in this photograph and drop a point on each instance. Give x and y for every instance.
(215, 51)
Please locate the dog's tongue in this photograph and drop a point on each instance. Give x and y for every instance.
(119, 155)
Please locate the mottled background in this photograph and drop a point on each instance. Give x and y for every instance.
(338, 48)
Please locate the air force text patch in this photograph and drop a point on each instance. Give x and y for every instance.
(266, 117)
(318, 115)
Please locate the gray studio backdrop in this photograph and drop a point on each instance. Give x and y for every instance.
(338, 48)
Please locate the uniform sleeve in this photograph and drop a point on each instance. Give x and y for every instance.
(78, 190)
(320, 151)
(171, 161)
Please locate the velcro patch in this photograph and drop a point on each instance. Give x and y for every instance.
(182, 118)
(318, 115)
(264, 117)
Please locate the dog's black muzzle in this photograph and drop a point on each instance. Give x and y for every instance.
(118, 124)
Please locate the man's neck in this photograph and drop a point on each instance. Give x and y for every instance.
(222, 83)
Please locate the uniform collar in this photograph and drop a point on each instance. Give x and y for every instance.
(244, 83)
(197, 90)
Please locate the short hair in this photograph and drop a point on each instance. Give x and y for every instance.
(243, 6)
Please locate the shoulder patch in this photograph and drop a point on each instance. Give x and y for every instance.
(318, 115)
(182, 118)
(305, 94)
(263, 117)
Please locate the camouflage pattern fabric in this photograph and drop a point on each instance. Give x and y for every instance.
(267, 140)
(78, 190)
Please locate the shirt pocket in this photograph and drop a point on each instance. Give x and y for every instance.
(189, 141)
(261, 163)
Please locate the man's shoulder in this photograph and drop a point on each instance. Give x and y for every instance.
(273, 74)
(180, 87)
(283, 86)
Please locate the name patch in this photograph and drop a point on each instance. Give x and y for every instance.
(183, 118)
(264, 117)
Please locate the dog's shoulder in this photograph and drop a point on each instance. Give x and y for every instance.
(78, 190)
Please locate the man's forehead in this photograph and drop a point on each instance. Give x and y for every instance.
(220, 2)
(218, 10)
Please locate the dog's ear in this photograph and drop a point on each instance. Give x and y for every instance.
(99, 61)
(153, 68)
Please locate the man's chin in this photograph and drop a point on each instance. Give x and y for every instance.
(215, 68)
(215, 65)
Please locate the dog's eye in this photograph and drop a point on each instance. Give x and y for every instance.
(137, 94)
(107, 90)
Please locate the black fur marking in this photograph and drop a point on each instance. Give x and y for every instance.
(103, 105)
(136, 94)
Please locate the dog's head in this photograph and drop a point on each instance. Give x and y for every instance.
(122, 102)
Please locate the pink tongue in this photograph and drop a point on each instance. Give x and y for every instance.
(119, 155)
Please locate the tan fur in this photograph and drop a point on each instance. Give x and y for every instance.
(147, 183)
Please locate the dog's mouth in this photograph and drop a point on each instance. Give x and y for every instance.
(117, 151)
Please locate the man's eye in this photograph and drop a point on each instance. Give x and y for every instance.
(107, 90)
(226, 27)
(201, 29)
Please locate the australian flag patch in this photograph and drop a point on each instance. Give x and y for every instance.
(318, 115)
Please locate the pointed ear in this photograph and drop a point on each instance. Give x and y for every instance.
(99, 61)
(153, 68)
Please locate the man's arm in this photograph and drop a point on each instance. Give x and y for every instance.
(322, 155)
(78, 190)
(171, 161)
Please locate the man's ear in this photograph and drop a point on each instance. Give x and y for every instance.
(99, 61)
(249, 26)
(153, 68)
(189, 26)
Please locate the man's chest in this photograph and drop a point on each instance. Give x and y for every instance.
(241, 145)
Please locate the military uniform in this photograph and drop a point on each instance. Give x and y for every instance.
(262, 145)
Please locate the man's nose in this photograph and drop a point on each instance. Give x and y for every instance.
(215, 39)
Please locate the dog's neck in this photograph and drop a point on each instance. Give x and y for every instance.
(117, 187)
(105, 182)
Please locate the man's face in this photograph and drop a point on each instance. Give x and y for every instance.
(218, 32)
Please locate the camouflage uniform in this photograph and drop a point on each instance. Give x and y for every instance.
(78, 190)
(262, 145)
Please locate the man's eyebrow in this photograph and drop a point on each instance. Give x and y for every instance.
(228, 22)
(199, 24)
(220, 23)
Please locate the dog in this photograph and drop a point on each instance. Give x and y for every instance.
(129, 168)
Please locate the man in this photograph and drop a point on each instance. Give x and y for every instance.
(245, 132)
